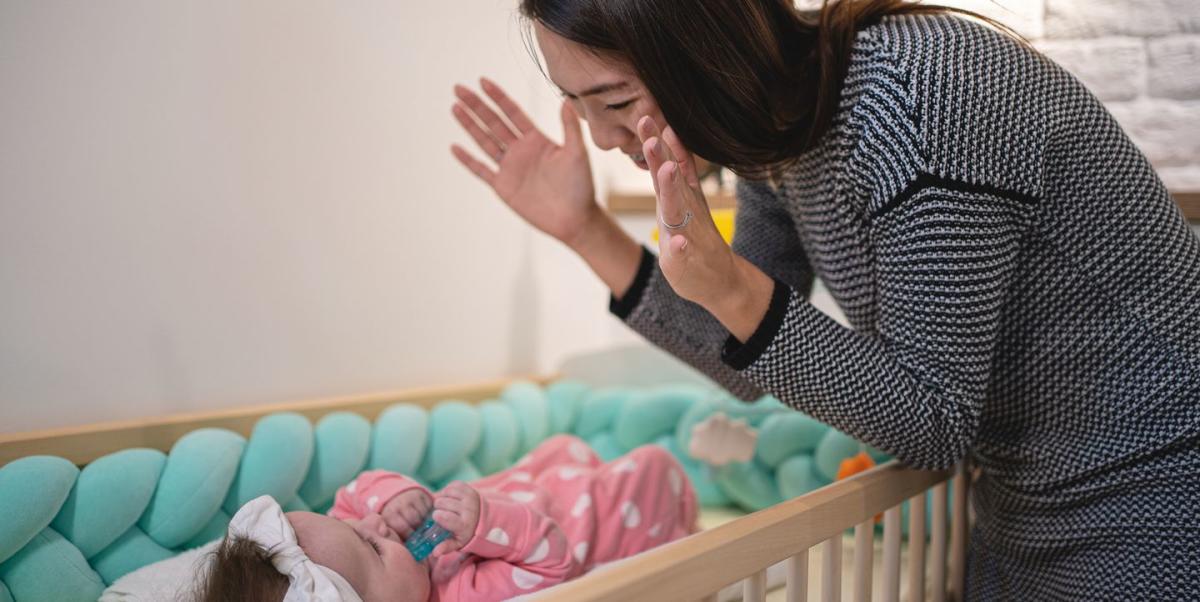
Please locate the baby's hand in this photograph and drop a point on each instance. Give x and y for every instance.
(456, 508)
(405, 512)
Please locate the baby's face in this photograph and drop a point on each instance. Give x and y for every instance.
(367, 553)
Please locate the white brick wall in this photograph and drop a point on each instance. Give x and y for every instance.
(1142, 58)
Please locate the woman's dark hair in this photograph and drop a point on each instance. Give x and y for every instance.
(241, 569)
(748, 84)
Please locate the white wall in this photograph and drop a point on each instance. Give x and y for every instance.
(206, 203)
(218, 202)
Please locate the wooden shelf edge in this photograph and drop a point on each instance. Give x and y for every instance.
(639, 202)
(1189, 202)
(626, 202)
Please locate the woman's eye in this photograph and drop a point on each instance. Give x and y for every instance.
(618, 106)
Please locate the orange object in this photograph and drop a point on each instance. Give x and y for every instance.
(854, 465)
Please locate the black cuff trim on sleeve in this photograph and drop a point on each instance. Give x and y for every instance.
(624, 306)
(739, 356)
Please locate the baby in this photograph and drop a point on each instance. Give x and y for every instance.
(555, 515)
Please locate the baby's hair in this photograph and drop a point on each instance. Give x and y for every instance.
(241, 569)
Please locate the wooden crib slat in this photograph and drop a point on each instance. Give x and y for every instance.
(754, 587)
(937, 544)
(891, 554)
(831, 569)
(709, 560)
(958, 532)
(797, 578)
(864, 559)
(916, 547)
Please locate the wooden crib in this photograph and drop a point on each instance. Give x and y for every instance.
(694, 568)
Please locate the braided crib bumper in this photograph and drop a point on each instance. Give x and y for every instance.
(66, 533)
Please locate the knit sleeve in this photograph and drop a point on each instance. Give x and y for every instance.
(766, 236)
(946, 257)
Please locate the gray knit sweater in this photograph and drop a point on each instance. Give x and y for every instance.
(1022, 292)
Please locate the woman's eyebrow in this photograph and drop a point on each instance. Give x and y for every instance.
(597, 89)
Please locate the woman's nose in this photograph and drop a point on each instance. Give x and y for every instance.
(608, 136)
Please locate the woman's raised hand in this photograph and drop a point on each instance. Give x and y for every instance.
(547, 184)
(694, 258)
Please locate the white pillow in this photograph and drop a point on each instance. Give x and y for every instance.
(170, 579)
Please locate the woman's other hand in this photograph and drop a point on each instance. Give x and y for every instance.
(547, 184)
(694, 258)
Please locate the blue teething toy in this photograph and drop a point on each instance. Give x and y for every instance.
(427, 537)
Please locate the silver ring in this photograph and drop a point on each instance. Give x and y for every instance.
(687, 217)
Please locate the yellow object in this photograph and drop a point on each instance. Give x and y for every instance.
(723, 218)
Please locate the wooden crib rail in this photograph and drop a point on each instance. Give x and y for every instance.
(82, 444)
(695, 567)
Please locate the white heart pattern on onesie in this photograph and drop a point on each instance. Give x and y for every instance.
(581, 505)
(626, 465)
(581, 550)
(525, 579)
(578, 451)
(675, 481)
(631, 514)
(540, 552)
(522, 477)
(523, 497)
(568, 473)
(498, 536)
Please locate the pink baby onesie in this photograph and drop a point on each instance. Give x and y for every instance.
(556, 514)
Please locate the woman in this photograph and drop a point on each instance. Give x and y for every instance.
(1023, 292)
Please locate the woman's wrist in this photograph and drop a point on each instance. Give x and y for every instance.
(742, 308)
(611, 253)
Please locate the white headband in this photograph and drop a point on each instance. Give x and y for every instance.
(262, 521)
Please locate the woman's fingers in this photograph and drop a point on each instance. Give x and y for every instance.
(673, 169)
(506, 104)
(485, 141)
(682, 155)
(483, 172)
(496, 126)
(672, 210)
(653, 159)
(572, 133)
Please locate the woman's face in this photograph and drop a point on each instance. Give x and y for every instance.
(609, 96)
(367, 553)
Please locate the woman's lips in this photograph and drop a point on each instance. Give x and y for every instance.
(640, 160)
